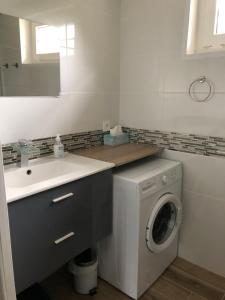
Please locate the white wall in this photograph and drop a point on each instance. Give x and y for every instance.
(154, 82)
(89, 77)
(155, 75)
(202, 233)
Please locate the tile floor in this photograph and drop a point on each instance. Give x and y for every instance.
(181, 281)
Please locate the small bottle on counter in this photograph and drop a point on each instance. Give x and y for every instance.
(58, 147)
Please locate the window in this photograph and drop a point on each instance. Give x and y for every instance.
(39, 43)
(206, 31)
(46, 38)
(220, 17)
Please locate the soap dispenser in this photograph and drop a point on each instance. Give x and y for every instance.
(58, 147)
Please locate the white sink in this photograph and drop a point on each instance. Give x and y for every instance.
(46, 173)
(23, 177)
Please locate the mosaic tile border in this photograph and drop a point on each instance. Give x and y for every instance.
(44, 147)
(190, 143)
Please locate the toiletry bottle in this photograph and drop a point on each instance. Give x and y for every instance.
(58, 147)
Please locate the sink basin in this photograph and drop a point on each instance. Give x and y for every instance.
(23, 177)
(45, 173)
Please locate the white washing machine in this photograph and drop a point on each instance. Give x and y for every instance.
(147, 216)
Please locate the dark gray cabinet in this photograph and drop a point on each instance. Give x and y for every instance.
(50, 228)
(101, 206)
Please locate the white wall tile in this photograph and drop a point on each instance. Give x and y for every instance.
(140, 74)
(202, 233)
(133, 115)
(90, 72)
(48, 116)
(202, 174)
(181, 114)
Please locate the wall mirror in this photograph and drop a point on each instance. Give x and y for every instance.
(206, 28)
(29, 58)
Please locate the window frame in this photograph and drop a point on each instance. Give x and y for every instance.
(48, 57)
(195, 47)
(28, 41)
(217, 17)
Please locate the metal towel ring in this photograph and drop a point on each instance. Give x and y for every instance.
(201, 80)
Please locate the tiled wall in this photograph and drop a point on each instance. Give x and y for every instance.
(203, 228)
(89, 71)
(155, 73)
(44, 147)
(191, 143)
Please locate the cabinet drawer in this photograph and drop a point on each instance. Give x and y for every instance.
(70, 209)
(70, 212)
(37, 223)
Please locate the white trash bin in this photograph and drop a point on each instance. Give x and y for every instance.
(84, 270)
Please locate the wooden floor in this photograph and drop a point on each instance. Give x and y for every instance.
(182, 281)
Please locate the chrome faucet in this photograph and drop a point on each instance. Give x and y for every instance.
(24, 147)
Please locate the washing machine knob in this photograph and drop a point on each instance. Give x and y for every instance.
(164, 179)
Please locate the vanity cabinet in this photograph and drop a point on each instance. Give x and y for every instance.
(50, 228)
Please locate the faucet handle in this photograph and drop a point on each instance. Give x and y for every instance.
(24, 143)
(24, 146)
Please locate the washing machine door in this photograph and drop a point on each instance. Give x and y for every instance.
(164, 223)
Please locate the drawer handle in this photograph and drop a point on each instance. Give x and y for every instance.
(59, 199)
(65, 237)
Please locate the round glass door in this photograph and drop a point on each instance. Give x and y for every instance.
(164, 223)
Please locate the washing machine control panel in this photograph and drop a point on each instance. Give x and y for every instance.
(156, 183)
(169, 177)
(149, 186)
(164, 179)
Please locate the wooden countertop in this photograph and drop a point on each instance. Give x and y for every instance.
(119, 155)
